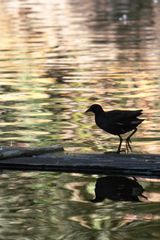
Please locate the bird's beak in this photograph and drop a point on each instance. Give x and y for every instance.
(88, 110)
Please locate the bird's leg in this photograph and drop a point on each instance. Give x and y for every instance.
(120, 143)
(128, 141)
(128, 146)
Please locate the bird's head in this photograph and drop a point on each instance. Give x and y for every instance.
(95, 108)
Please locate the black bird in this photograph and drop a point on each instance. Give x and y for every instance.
(117, 122)
(118, 188)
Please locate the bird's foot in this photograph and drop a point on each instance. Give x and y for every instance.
(119, 151)
(128, 146)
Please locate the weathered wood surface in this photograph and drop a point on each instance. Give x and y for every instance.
(115, 164)
(12, 152)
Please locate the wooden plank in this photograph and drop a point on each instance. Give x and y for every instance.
(110, 164)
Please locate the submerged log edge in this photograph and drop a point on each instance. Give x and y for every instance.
(31, 151)
(142, 165)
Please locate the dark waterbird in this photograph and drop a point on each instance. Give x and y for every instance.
(118, 188)
(117, 122)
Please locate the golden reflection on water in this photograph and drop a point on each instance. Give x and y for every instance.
(38, 204)
(58, 57)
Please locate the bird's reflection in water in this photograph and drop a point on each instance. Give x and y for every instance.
(118, 188)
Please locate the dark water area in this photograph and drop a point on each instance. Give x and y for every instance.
(62, 206)
(56, 59)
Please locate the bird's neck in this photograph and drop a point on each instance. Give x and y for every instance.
(99, 113)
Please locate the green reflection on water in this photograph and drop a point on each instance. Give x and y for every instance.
(45, 205)
(57, 58)
(49, 76)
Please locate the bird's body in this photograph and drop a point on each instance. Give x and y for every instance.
(118, 188)
(117, 122)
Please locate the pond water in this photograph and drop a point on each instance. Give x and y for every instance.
(56, 59)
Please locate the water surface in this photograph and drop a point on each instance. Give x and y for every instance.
(56, 59)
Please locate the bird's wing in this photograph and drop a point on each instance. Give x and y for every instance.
(123, 116)
(124, 120)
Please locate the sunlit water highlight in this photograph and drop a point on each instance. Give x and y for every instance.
(56, 59)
